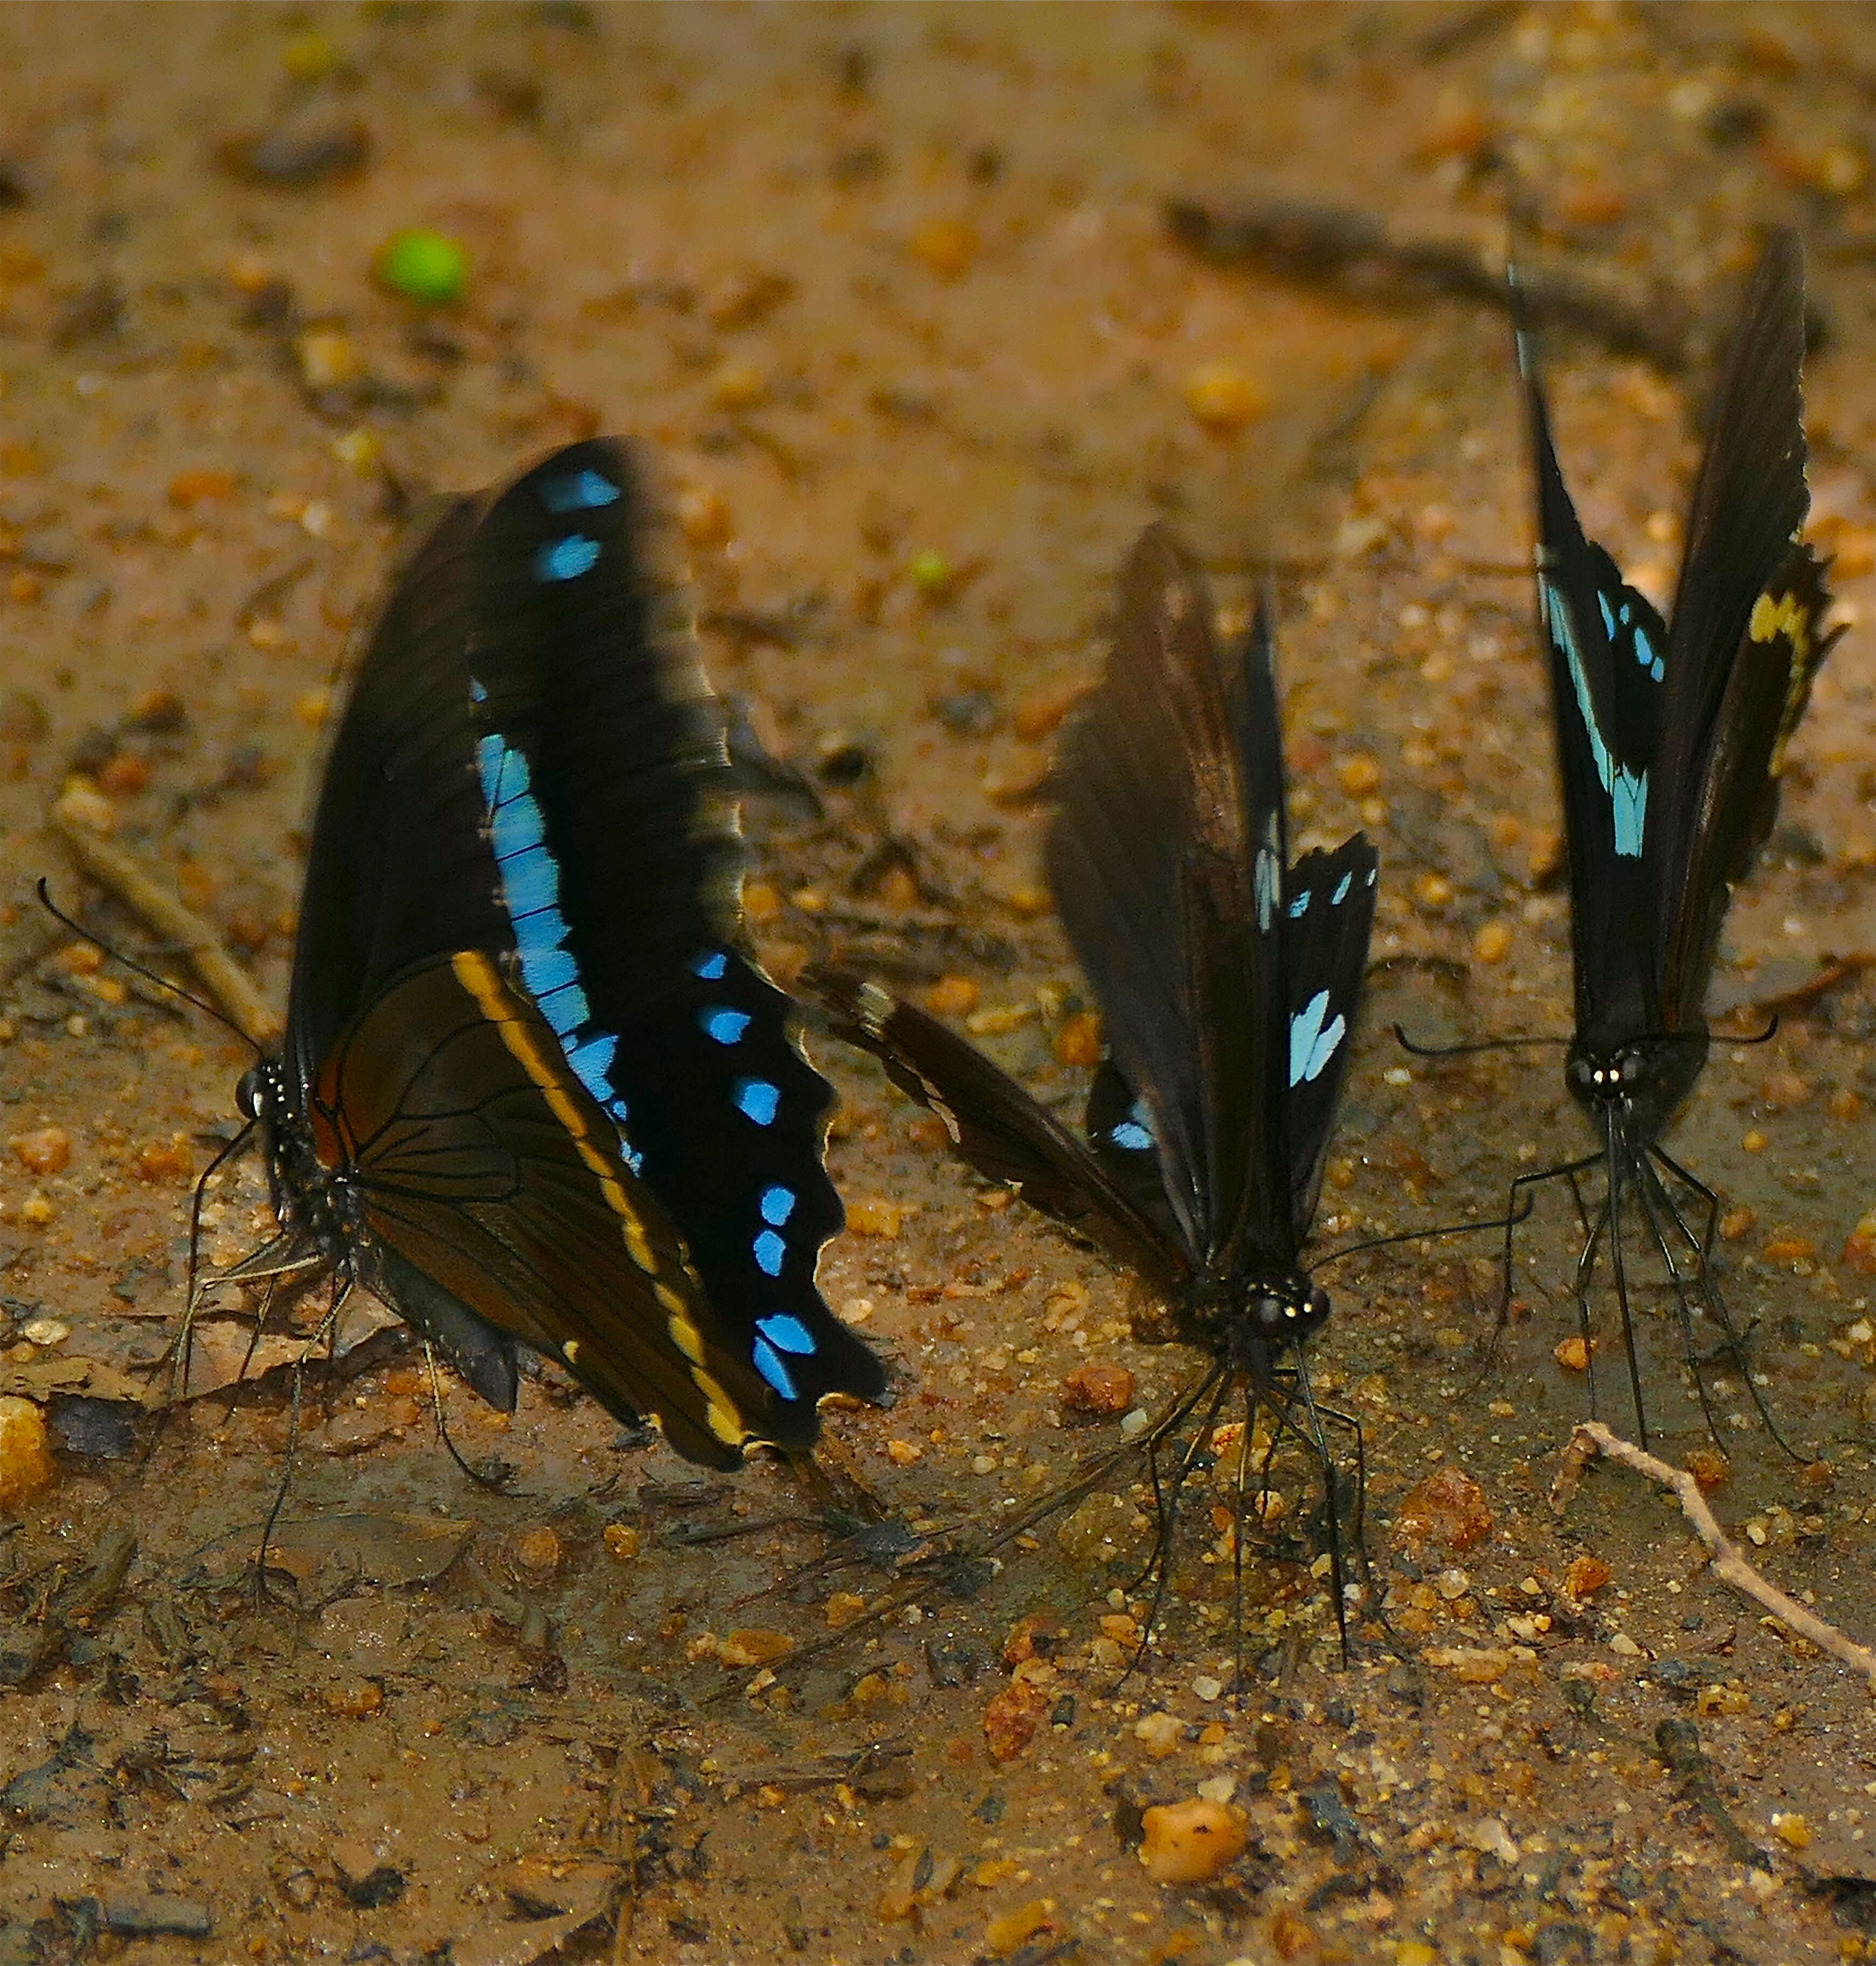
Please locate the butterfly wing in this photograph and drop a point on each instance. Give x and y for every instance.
(1609, 654)
(602, 761)
(1166, 858)
(490, 1179)
(1748, 635)
(1329, 914)
(998, 1128)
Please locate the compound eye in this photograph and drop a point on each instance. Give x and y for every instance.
(1318, 1304)
(250, 1095)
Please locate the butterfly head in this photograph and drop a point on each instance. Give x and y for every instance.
(1252, 1322)
(1642, 1081)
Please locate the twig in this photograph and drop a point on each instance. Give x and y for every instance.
(162, 908)
(1592, 1437)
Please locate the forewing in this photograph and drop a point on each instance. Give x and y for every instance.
(602, 758)
(998, 1128)
(1608, 652)
(1165, 857)
(1328, 917)
(486, 1166)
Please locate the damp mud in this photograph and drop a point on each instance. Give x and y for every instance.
(927, 310)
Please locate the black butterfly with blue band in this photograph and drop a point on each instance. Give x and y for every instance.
(533, 1093)
(1671, 743)
(1228, 981)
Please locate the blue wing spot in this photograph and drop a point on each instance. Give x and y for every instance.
(592, 1062)
(722, 1026)
(767, 1361)
(631, 1155)
(1313, 1042)
(757, 1099)
(1608, 619)
(580, 492)
(1300, 907)
(567, 558)
(710, 965)
(787, 1332)
(1341, 893)
(1645, 654)
(777, 1205)
(1627, 790)
(1131, 1134)
(477, 693)
(769, 1250)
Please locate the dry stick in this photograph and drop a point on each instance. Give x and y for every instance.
(162, 908)
(1592, 1437)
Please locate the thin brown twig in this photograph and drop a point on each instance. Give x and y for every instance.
(163, 909)
(1592, 1437)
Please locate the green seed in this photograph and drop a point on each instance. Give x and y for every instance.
(931, 573)
(429, 267)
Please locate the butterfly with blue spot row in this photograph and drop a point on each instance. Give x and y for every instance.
(1228, 981)
(1671, 743)
(533, 1093)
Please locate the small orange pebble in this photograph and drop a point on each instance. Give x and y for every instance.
(1028, 899)
(38, 1209)
(753, 1645)
(1016, 781)
(1360, 775)
(1033, 1635)
(995, 1871)
(248, 929)
(843, 1607)
(898, 890)
(1709, 1467)
(1037, 715)
(1790, 1249)
(1493, 942)
(872, 1216)
(1010, 1931)
(738, 386)
(1859, 1250)
(1737, 1223)
(1077, 1042)
(1782, 1090)
(46, 1150)
(24, 587)
(1790, 1828)
(192, 487)
(26, 1464)
(1585, 1575)
(1431, 892)
(125, 774)
(705, 517)
(761, 903)
(329, 359)
(1223, 399)
(1462, 130)
(1573, 1354)
(1505, 831)
(536, 1552)
(1186, 1842)
(314, 707)
(946, 246)
(81, 959)
(953, 997)
(1845, 1104)
(354, 1701)
(1753, 1141)
(1448, 1508)
(1592, 203)
(905, 1453)
(623, 1541)
(1121, 1627)
(1012, 1717)
(1097, 1391)
(1290, 1937)
(170, 1160)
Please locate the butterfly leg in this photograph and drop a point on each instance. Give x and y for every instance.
(1166, 1504)
(1318, 1443)
(1518, 1205)
(1593, 1234)
(1623, 1167)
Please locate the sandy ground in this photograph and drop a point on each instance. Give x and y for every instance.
(893, 289)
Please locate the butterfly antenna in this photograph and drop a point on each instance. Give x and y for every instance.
(136, 969)
(1416, 1050)
(1521, 1205)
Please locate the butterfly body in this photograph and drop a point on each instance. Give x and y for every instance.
(1670, 737)
(533, 1095)
(1228, 980)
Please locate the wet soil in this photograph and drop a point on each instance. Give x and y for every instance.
(894, 292)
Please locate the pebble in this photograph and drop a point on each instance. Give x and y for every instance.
(754, 1645)
(623, 1540)
(953, 997)
(1160, 1733)
(172, 1160)
(1448, 1508)
(946, 246)
(1360, 775)
(1012, 1717)
(46, 1150)
(843, 1607)
(46, 1332)
(537, 1552)
(328, 360)
(1585, 1575)
(1859, 1248)
(1010, 1931)
(1041, 711)
(1078, 1040)
(353, 1701)
(430, 268)
(1710, 1469)
(1572, 1354)
(1223, 399)
(1186, 1842)
(932, 574)
(25, 1459)
(1097, 1391)
(872, 1215)
(1134, 1423)
(1493, 942)
(738, 386)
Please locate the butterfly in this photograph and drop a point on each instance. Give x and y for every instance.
(1228, 980)
(532, 1093)
(1670, 740)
